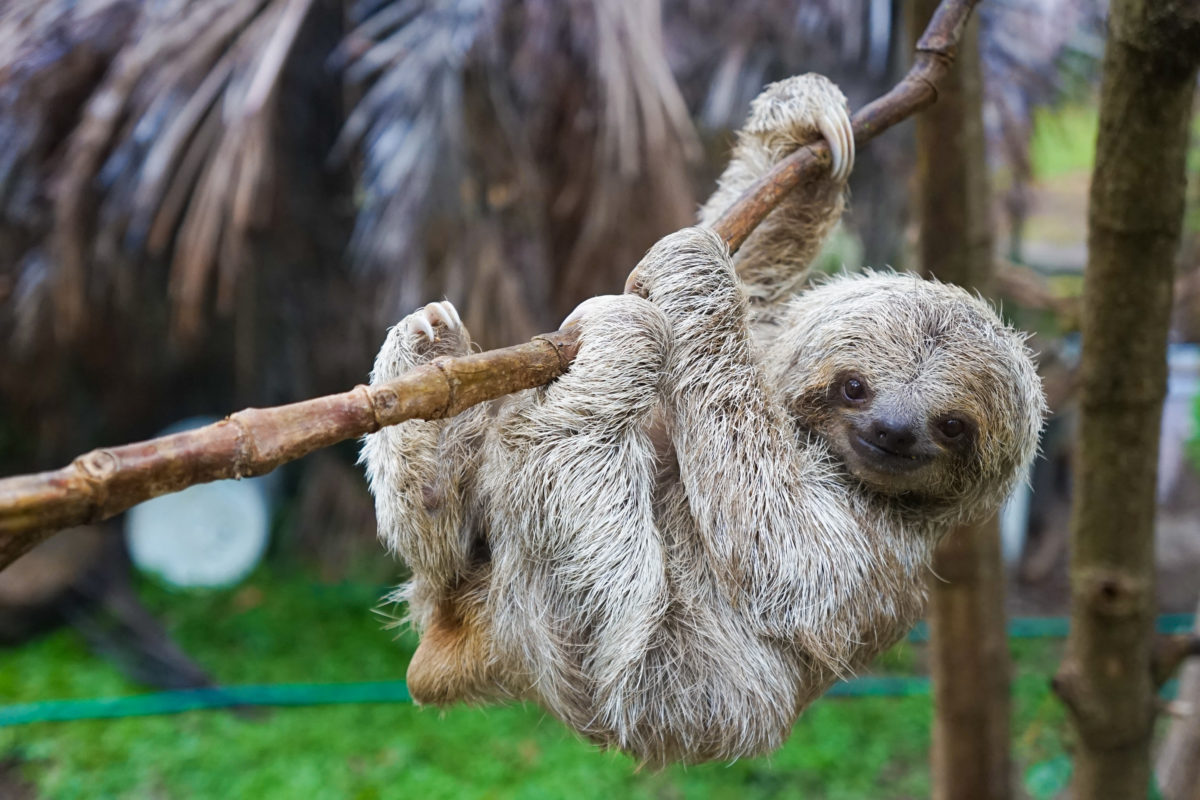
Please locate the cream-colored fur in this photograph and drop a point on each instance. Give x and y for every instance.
(789, 114)
(684, 540)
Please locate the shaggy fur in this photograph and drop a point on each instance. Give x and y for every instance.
(789, 114)
(687, 538)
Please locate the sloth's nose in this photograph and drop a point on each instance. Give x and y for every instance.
(894, 434)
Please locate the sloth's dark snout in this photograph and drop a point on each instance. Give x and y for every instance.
(891, 442)
(894, 434)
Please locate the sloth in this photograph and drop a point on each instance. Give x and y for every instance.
(730, 499)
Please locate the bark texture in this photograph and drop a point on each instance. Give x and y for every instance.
(968, 644)
(1134, 219)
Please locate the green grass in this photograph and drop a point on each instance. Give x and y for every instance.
(281, 628)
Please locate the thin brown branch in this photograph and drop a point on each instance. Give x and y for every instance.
(1020, 283)
(105, 482)
(1170, 651)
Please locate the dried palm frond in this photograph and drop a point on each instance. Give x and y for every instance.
(504, 144)
(52, 56)
(162, 145)
(53, 59)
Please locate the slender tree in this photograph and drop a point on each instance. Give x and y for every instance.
(969, 656)
(1134, 219)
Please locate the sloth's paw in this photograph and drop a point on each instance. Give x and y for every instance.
(433, 331)
(624, 341)
(625, 323)
(436, 329)
(797, 111)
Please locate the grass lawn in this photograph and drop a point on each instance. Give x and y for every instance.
(279, 627)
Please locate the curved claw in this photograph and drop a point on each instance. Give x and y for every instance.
(848, 130)
(839, 133)
(440, 313)
(633, 284)
(420, 322)
(445, 313)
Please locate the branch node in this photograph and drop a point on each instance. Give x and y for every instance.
(1112, 594)
(96, 468)
(451, 387)
(1065, 684)
(383, 400)
(1169, 653)
(368, 399)
(245, 446)
(98, 465)
(565, 344)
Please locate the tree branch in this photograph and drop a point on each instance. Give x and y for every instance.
(1170, 652)
(104, 482)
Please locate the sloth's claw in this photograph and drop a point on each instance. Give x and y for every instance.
(800, 110)
(419, 323)
(575, 316)
(434, 315)
(450, 314)
(835, 126)
(443, 313)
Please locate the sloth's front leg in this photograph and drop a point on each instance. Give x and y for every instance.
(773, 262)
(412, 473)
(766, 510)
(578, 573)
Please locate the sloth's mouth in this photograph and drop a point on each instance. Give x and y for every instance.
(886, 460)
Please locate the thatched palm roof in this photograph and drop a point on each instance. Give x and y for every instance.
(310, 169)
(169, 154)
(523, 135)
(135, 131)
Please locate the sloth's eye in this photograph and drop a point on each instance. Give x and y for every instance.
(952, 427)
(854, 389)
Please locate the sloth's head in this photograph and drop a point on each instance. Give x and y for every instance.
(917, 386)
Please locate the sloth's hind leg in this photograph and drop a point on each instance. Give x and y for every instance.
(422, 473)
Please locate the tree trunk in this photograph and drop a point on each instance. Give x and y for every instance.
(970, 665)
(1179, 763)
(969, 650)
(1134, 218)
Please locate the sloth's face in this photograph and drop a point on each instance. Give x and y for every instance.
(918, 388)
(894, 441)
